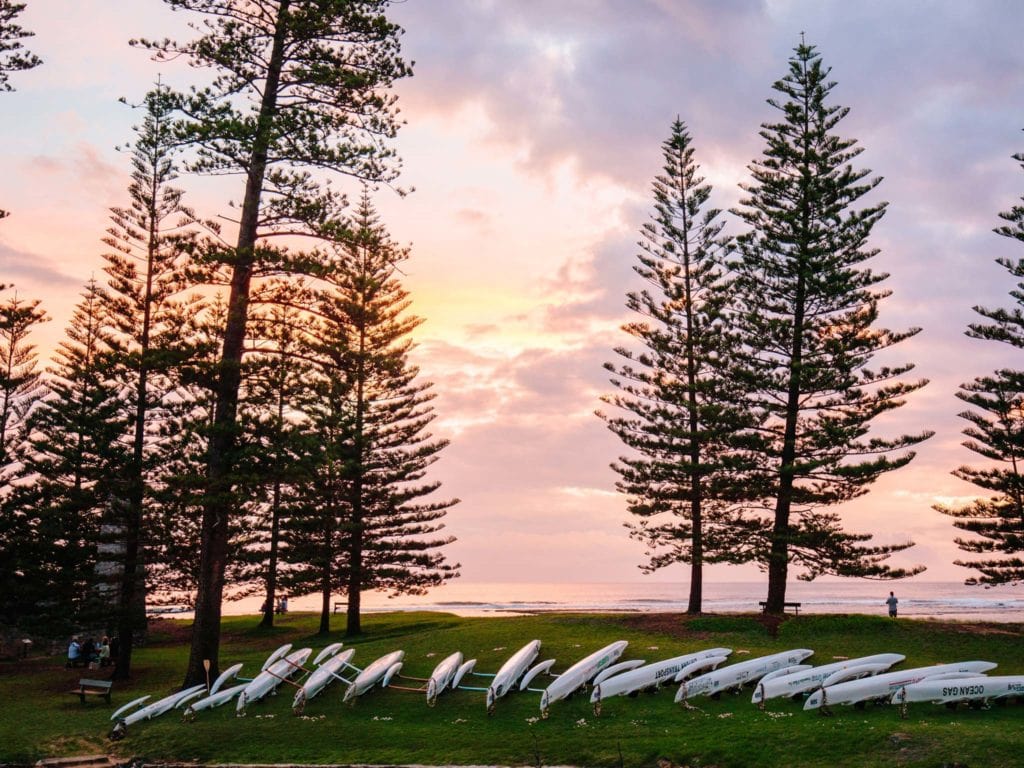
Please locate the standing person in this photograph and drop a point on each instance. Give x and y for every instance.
(104, 653)
(892, 602)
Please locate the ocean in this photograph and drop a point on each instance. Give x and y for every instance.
(919, 599)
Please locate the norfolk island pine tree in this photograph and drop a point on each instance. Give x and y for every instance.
(375, 525)
(20, 391)
(148, 267)
(996, 432)
(66, 474)
(686, 475)
(806, 310)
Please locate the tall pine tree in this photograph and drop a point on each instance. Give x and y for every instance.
(147, 269)
(996, 432)
(681, 482)
(297, 85)
(807, 310)
(68, 479)
(376, 414)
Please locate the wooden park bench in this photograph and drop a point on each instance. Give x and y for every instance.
(794, 606)
(339, 607)
(92, 688)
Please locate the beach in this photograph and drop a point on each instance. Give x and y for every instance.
(949, 601)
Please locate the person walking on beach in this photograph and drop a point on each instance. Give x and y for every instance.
(892, 602)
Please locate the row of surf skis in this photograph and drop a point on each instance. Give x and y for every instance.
(850, 681)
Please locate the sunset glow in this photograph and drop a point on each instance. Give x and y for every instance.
(533, 133)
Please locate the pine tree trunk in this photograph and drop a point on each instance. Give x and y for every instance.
(327, 571)
(127, 614)
(275, 533)
(353, 624)
(132, 593)
(695, 605)
(696, 519)
(218, 505)
(325, 607)
(778, 562)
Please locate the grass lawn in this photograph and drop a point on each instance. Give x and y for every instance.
(40, 719)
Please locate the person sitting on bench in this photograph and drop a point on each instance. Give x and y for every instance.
(75, 657)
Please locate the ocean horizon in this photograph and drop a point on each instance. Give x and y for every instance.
(918, 599)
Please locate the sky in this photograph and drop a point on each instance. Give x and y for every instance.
(533, 132)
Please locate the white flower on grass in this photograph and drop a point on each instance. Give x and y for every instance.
(581, 723)
(724, 715)
(459, 720)
(382, 719)
(499, 648)
(532, 720)
(431, 655)
(652, 648)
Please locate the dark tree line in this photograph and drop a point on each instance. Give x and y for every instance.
(177, 443)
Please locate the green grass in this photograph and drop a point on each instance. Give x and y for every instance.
(39, 719)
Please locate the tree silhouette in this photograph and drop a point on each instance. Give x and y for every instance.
(996, 432)
(807, 308)
(682, 484)
(372, 416)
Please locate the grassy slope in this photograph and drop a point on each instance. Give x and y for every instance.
(38, 719)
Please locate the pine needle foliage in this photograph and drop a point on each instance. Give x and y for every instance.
(13, 55)
(20, 385)
(995, 432)
(277, 383)
(808, 305)
(20, 392)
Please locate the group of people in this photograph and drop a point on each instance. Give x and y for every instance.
(82, 654)
(281, 607)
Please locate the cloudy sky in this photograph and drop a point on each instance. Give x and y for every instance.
(534, 130)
